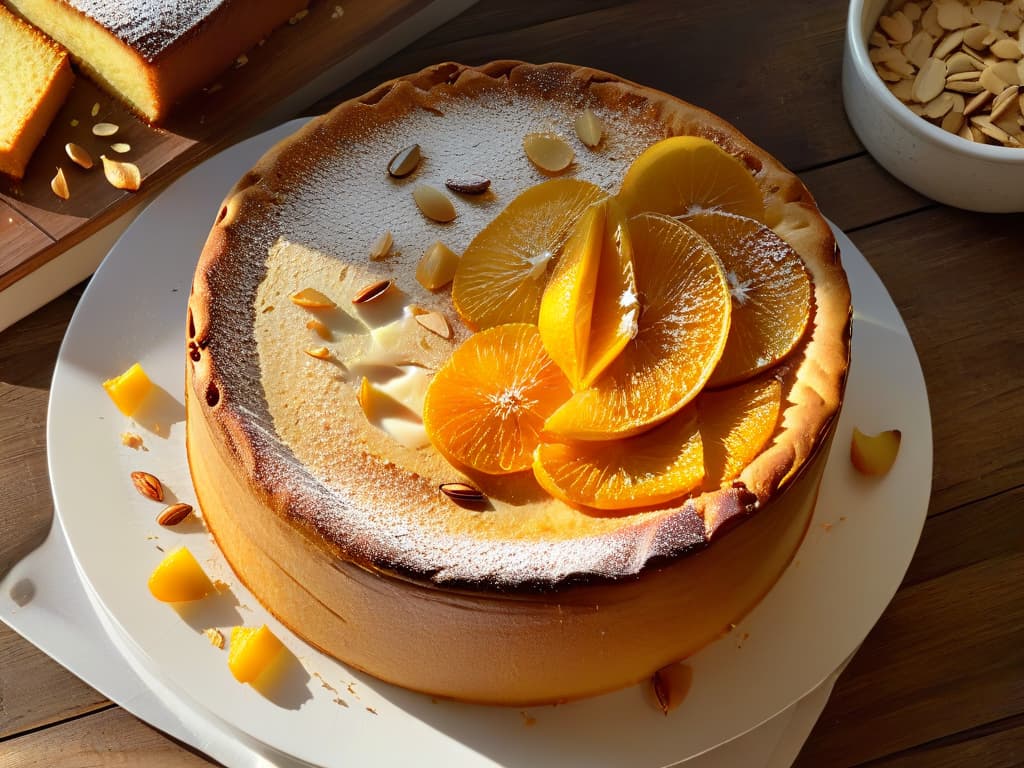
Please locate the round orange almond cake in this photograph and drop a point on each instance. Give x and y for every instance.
(305, 440)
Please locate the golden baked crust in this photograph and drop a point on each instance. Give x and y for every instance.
(387, 520)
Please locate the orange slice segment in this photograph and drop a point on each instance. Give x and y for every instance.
(486, 406)
(663, 463)
(681, 332)
(503, 272)
(770, 289)
(590, 308)
(735, 426)
(686, 174)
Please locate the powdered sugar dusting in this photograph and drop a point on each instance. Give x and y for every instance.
(149, 26)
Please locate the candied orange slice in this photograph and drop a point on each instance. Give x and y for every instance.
(735, 426)
(659, 465)
(486, 406)
(503, 272)
(687, 174)
(770, 289)
(590, 308)
(681, 332)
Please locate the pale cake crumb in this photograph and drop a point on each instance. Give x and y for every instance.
(215, 636)
(132, 440)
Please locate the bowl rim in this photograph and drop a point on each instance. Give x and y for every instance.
(856, 43)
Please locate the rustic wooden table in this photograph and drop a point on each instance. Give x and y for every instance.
(940, 679)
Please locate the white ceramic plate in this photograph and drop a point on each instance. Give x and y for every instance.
(850, 564)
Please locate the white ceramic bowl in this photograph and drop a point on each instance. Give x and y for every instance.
(936, 163)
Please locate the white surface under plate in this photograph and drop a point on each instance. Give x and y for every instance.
(858, 547)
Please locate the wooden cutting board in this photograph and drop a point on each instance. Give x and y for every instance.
(266, 85)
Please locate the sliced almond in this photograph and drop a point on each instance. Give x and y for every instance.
(120, 147)
(975, 37)
(912, 11)
(930, 21)
(930, 81)
(903, 89)
(1006, 49)
(468, 184)
(174, 514)
(105, 129)
(215, 636)
(320, 353)
(959, 62)
(888, 75)
(964, 77)
(952, 15)
(991, 82)
(462, 492)
(95, 109)
(78, 155)
(876, 39)
(434, 322)
(948, 44)
(121, 175)
(898, 27)
(405, 161)
(985, 125)
(939, 106)
(59, 185)
(548, 151)
(953, 121)
(1004, 98)
(590, 128)
(965, 86)
(965, 132)
(381, 247)
(988, 13)
(979, 101)
(433, 203)
(371, 292)
(311, 298)
(1007, 71)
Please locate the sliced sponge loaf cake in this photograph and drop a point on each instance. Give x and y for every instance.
(151, 53)
(36, 77)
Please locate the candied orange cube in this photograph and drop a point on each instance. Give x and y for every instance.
(179, 578)
(253, 650)
(129, 389)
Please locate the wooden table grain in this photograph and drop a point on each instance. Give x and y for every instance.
(940, 679)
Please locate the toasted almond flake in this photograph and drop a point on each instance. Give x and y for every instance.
(930, 81)
(59, 185)
(959, 62)
(434, 322)
(953, 121)
(311, 298)
(174, 514)
(975, 37)
(965, 132)
(939, 106)
(930, 21)
(948, 44)
(1006, 49)
(965, 86)
(589, 128)
(898, 27)
(888, 75)
(105, 129)
(404, 161)
(371, 292)
(433, 203)
(120, 147)
(979, 101)
(468, 184)
(95, 109)
(952, 15)
(320, 353)
(1004, 97)
(121, 175)
(877, 39)
(912, 11)
(991, 82)
(919, 49)
(78, 155)
(320, 329)
(215, 636)
(548, 151)
(988, 13)
(902, 89)
(964, 77)
(462, 492)
(1007, 72)
(381, 247)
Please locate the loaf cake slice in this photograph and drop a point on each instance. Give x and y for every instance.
(151, 53)
(36, 77)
